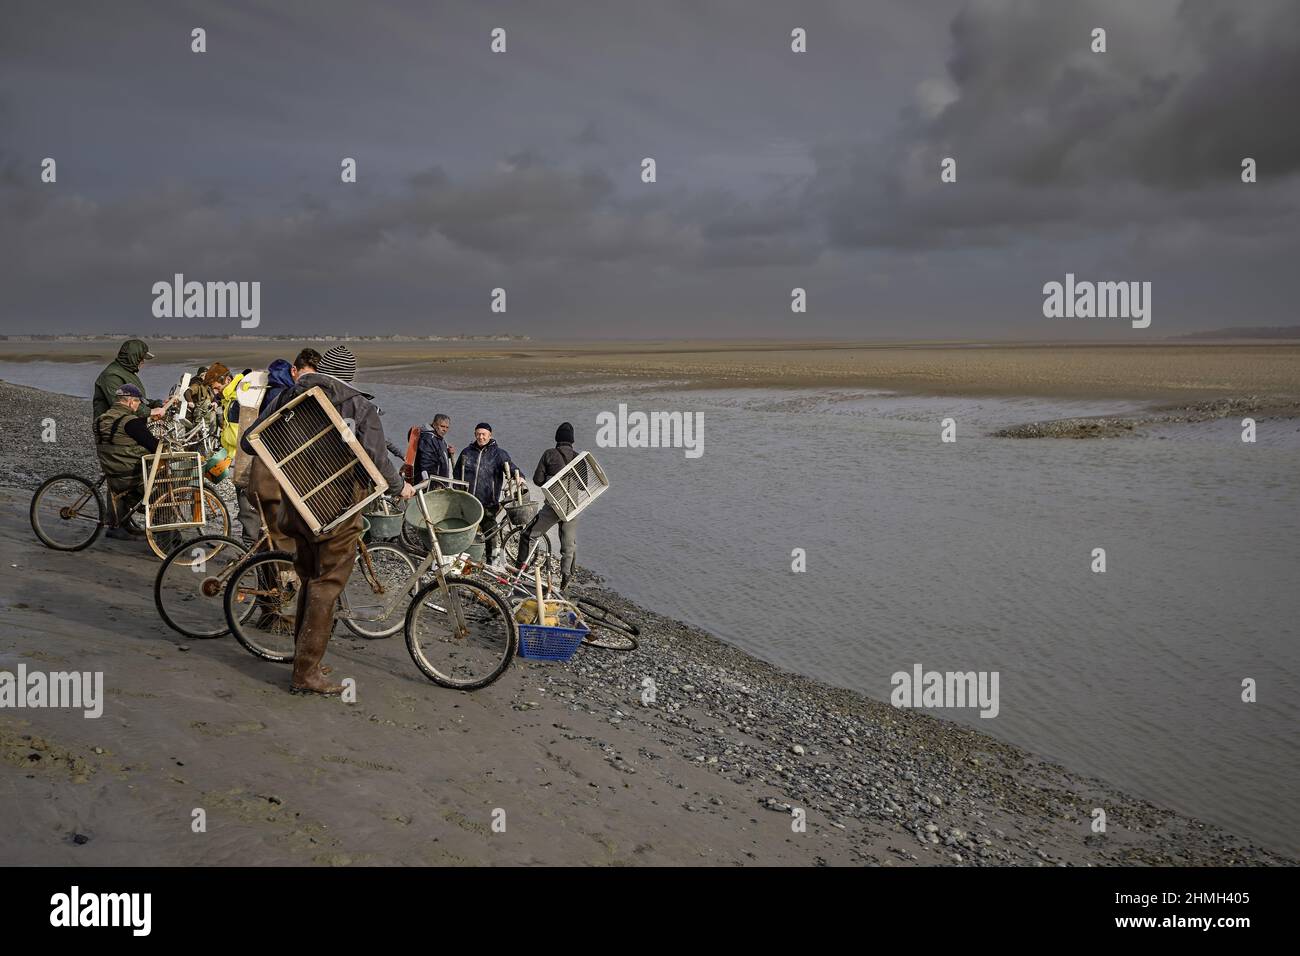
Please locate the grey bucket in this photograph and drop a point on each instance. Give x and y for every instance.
(522, 513)
(455, 516)
(383, 527)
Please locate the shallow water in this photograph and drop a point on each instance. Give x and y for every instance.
(973, 555)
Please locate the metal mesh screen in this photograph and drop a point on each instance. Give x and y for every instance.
(315, 461)
(173, 484)
(576, 486)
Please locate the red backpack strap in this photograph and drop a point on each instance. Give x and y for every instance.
(412, 449)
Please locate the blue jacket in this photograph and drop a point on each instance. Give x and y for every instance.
(431, 456)
(483, 468)
(279, 376)
(279, 382)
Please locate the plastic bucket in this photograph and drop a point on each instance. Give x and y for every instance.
(455, 516)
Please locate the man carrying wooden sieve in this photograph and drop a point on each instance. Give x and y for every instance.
(324, 562)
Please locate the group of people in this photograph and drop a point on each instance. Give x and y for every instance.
(323, 562)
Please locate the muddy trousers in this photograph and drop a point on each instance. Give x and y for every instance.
(263, 488)
(324, 566)
(545, 520)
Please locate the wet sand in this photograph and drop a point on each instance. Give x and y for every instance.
(411, 774)
(1181, 372)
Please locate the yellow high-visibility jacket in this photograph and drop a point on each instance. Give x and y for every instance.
(229, 429)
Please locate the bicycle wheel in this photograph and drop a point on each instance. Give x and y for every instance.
(261, 605)
(541, 554)
(608, 630)
(183, 501)
(461, 637)
(67, 513)
(190, 586)
(380, 570)
(415, 540)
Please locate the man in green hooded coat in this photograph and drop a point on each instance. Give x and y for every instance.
(124, 371)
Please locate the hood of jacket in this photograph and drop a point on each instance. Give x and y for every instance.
(232, 388)
(131, 354)
(279, 374)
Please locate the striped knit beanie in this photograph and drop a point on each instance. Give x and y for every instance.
(339, 362)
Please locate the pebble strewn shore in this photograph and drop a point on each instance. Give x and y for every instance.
(900, 786)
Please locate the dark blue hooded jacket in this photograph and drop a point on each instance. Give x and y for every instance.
(280, 377)
(431, 455)
(279, 382)
(484, 468)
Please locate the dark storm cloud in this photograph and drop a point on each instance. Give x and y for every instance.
(524, 170)
(1050, 137)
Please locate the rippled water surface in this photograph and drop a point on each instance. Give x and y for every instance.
(967, 556)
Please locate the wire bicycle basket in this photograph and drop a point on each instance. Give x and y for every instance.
(173, 490)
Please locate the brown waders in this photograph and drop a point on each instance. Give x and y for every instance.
(263, 488)
(324, 565)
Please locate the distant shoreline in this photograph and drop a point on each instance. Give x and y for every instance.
(1159, 372)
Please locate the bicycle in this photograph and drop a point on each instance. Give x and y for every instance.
(515, 511)
(512, 516)
(459, 632)
(189, 595)
(607, 629)
(67, 513)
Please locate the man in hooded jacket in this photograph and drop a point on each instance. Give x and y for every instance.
(263, 490)
(324, 562)
(124, 370)
(553, 461)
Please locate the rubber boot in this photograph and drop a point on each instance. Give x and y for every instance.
(310, 641)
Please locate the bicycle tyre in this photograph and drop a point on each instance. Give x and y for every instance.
(542, 554)
(410, 538)
(43, 536)
(237, 594)
(482, 595)
(166, 542)
(608, 630)
(204, 588)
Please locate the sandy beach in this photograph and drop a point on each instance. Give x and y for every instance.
(1158, 372)
(414, 774)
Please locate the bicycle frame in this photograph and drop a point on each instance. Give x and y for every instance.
(434, 557)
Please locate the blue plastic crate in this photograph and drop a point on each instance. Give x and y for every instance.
(548, 643)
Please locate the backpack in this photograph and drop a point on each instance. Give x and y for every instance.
(412, 449)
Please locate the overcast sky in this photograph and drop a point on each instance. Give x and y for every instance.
(775, 169)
